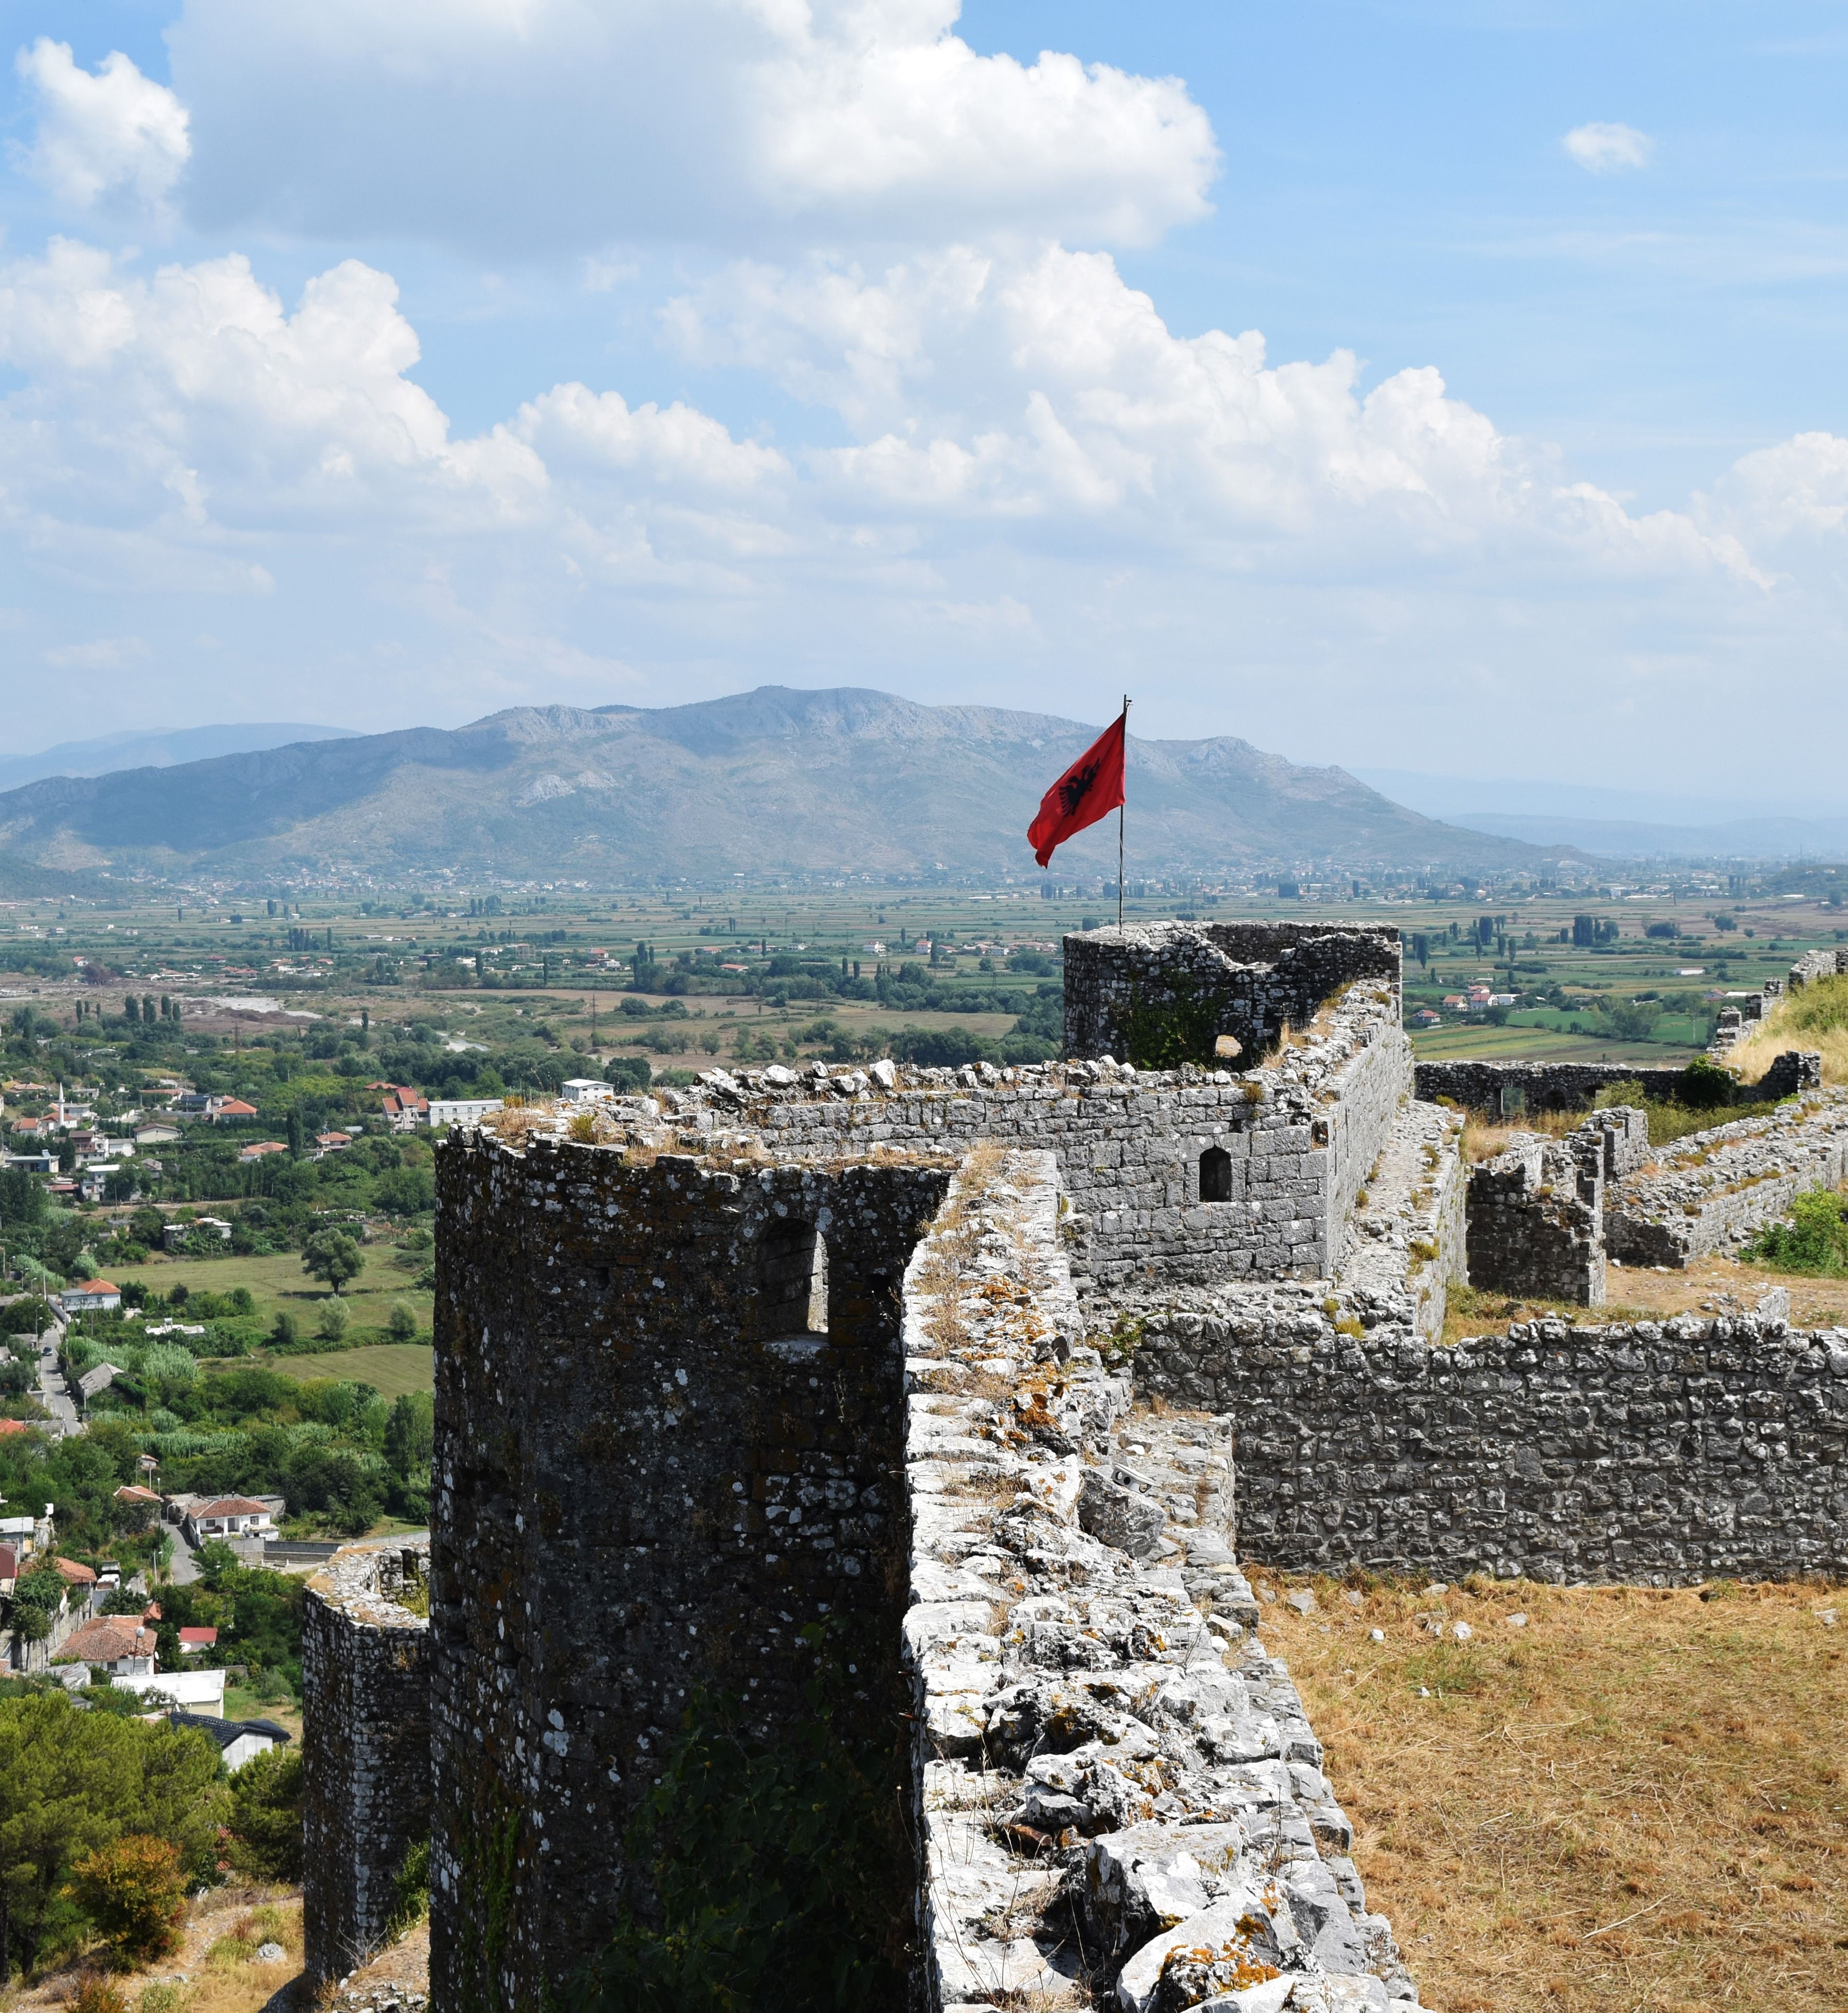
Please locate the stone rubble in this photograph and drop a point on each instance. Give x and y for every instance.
(1123, 1797)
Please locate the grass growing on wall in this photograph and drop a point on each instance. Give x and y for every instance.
(1636, 1803)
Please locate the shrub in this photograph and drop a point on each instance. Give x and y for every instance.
(96, 1993)
(402, 1324)
(331, 1323)
(134, 1890)
(1815, 1240)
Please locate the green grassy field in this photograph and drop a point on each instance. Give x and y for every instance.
(1538, 1045)
(279, 1284)
(390, 1368)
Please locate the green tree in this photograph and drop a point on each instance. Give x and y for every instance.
(410, 1433)
(405, 1191)
(403, 1323)
(332, 1256)
(72, 1782)
(331, 1322)
(266, 1816)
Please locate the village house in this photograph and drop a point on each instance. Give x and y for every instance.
(238, 1740)
(195, 1642)
(121, 1644)
(404, 1108)
(173, 1235)
(94, 1296)
(227, 1517)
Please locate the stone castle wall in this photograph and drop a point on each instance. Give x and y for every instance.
(366, 1745)
(1504, 1088)
(657, 1459)
(1085, 1668)
(1245, 980)
(1664, 1452)
(1301, 1133)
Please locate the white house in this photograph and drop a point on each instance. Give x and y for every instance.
(201, 1690)
(586, 1090)
(94, 1297)
(238, 1740)
(461, 1110)
(227, 1516)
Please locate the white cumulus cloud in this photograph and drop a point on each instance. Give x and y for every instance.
(572, 125)
(1600, 148)
(112, 136)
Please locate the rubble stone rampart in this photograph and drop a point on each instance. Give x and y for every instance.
(1505, 1089)
(669, 1436)
(1715, 1188)
(366, 1745)
(1101, 1737)
(1298, 1135)
(1664, 1453)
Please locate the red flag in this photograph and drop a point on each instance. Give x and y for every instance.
(1090, 788)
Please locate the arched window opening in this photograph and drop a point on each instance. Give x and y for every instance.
(792, 1280)
(1216, 1175)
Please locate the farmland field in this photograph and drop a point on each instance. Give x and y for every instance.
(391, 1367)
(278, 1285)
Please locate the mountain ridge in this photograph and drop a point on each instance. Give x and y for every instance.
(777, 780)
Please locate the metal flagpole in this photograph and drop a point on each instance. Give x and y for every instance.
(1120, 809)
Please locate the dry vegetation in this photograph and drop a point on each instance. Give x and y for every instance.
(1815, 1018)
(1636, 1803)
(216, 1970)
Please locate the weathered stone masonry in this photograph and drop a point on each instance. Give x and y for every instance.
(796, 1345)
(1664, 1452)
(365, 1750)
(651, 1470)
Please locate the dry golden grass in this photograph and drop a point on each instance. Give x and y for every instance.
(223, 1929)
(1637, 1803)
(1482, 1139)
(1815, 1018)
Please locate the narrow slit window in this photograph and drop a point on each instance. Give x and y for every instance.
(1216, 1175)
(792, 1280)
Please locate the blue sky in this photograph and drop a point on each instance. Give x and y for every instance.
(1446, 387)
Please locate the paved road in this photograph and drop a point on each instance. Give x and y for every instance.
(51, 1387)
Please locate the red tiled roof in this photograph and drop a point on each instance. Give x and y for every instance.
(106, 1639)
(78, 1574)
(231, 1506)
(9, 1563)
(14, 1426)
(98, 1286)
(202, 1638)
(132, 1491)
(238, 1108)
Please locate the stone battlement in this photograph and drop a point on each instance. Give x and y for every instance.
(933, 1381)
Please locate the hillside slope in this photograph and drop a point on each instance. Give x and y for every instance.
(774, 780)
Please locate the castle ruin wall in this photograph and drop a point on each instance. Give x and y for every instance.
(1536, 1221)
(1664, 1452)
(1180, 983)
(1505, 1089)
(1115, 1782)
(366, 1781)
(669, 1435)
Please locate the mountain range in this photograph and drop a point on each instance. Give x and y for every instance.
(774, 782)
(156, 750)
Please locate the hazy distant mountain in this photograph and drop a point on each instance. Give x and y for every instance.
(115, 752)
(1625, 824)
(770, 781)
